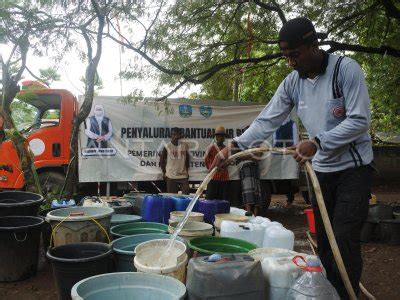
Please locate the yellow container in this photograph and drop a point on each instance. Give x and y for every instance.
(373, 199)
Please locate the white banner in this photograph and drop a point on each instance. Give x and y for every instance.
(135, 134)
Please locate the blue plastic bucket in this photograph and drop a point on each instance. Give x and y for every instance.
(129, 285)
(124, 249)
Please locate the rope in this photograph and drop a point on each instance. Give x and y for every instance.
(68, 217)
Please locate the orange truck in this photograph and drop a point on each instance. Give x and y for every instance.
(47, 126)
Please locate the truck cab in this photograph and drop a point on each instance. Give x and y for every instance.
(45, 118)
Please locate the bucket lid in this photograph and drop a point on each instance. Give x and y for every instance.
(84, 213)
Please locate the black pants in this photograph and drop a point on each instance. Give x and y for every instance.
(346, 195)
(217, 190)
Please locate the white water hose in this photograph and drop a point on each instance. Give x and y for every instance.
(320, 201)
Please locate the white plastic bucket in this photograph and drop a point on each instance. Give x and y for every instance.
(176, 216)
(192, 229)
(228, 217)
(147, 259)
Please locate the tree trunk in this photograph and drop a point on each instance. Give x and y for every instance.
(71, 180)
(10, 90)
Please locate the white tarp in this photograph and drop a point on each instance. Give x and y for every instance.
(140, 130)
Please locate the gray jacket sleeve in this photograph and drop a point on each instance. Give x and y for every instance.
(358, 116)
(270, 119)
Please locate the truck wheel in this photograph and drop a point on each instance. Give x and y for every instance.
(51, 182)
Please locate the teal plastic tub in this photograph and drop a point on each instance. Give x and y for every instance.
(118, 219)
(124, 249)
(213, 244)
(129, 285)
(137, 228)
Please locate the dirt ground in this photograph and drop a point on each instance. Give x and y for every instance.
(381, 274)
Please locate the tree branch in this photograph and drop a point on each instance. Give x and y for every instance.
(144, 42)
(182, 83)
(345, 19)
(383, 50)
(391, 10)
(272, 7)
(36, 77)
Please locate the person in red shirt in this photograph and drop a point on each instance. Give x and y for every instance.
(218, 187)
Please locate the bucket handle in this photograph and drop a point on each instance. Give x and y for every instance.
(80, 214)
(305, 267)
(20, 240)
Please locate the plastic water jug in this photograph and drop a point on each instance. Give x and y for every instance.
(271, 224)
(157, 208)
(62, 203)
(279, 274)
(237, 211)
(278, 237)
(312, 284)
(182, 202)
(259, 220)
(250, 232)
(233, 277)
(212, 207)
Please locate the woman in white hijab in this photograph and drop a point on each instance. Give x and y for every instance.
(98, 128)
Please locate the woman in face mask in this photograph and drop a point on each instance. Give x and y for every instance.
(98, 128)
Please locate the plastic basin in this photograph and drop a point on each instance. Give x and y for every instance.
(118, 219)
(138, 228)
(129, 285)
(124, 248)
(212, 244)
(18, 203)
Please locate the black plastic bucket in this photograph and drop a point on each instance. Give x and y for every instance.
(391, 231)
(19, 247)
(370, 231)
(74, 262)
(380, 211)
(19, 203)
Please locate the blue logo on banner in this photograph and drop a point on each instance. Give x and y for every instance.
(185, 110)
(206, 111)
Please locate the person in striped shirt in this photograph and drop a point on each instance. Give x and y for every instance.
(218, 187)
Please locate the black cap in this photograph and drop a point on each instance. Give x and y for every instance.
(297, 32)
